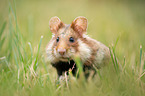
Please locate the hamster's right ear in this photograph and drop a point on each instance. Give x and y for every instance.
(55, 23)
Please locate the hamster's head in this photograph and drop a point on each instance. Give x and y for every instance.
(65, 39)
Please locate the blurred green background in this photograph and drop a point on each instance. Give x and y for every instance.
(109, 21)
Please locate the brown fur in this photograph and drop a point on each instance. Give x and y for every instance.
(90, 51)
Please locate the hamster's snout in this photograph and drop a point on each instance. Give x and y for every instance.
(61, 51)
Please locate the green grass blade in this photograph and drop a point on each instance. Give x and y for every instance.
(11, 9)
(116, 62)
(36, 59)
(116, 42)
(140, 56)
(144, 66)
(112, 59)
(98, 71)
(2, 42)
(19, 52)
(124, 61)
(2, 29)
(1, 32)
(79, 64)
(15, 58)
(31, 57)
(80, 70)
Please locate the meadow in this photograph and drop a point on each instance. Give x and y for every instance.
(24, 34)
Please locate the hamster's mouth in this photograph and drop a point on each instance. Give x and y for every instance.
(69, 65)
(66, 59)
(66, 66)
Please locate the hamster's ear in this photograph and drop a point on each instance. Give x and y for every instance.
(55, 23)
(80, 25)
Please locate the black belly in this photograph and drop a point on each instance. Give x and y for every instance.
(64, 67)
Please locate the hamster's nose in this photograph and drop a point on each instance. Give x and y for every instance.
(61, 51)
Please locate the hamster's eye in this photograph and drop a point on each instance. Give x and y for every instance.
(71, 39)
(57, 40)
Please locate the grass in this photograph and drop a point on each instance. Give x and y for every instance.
(24, 34)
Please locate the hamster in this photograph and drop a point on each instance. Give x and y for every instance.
(69, 41)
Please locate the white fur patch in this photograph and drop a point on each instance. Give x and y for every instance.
(49, 51)
(100, 53)
(85, 36)
(53, 35)
(99, 57)
(84, 51)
